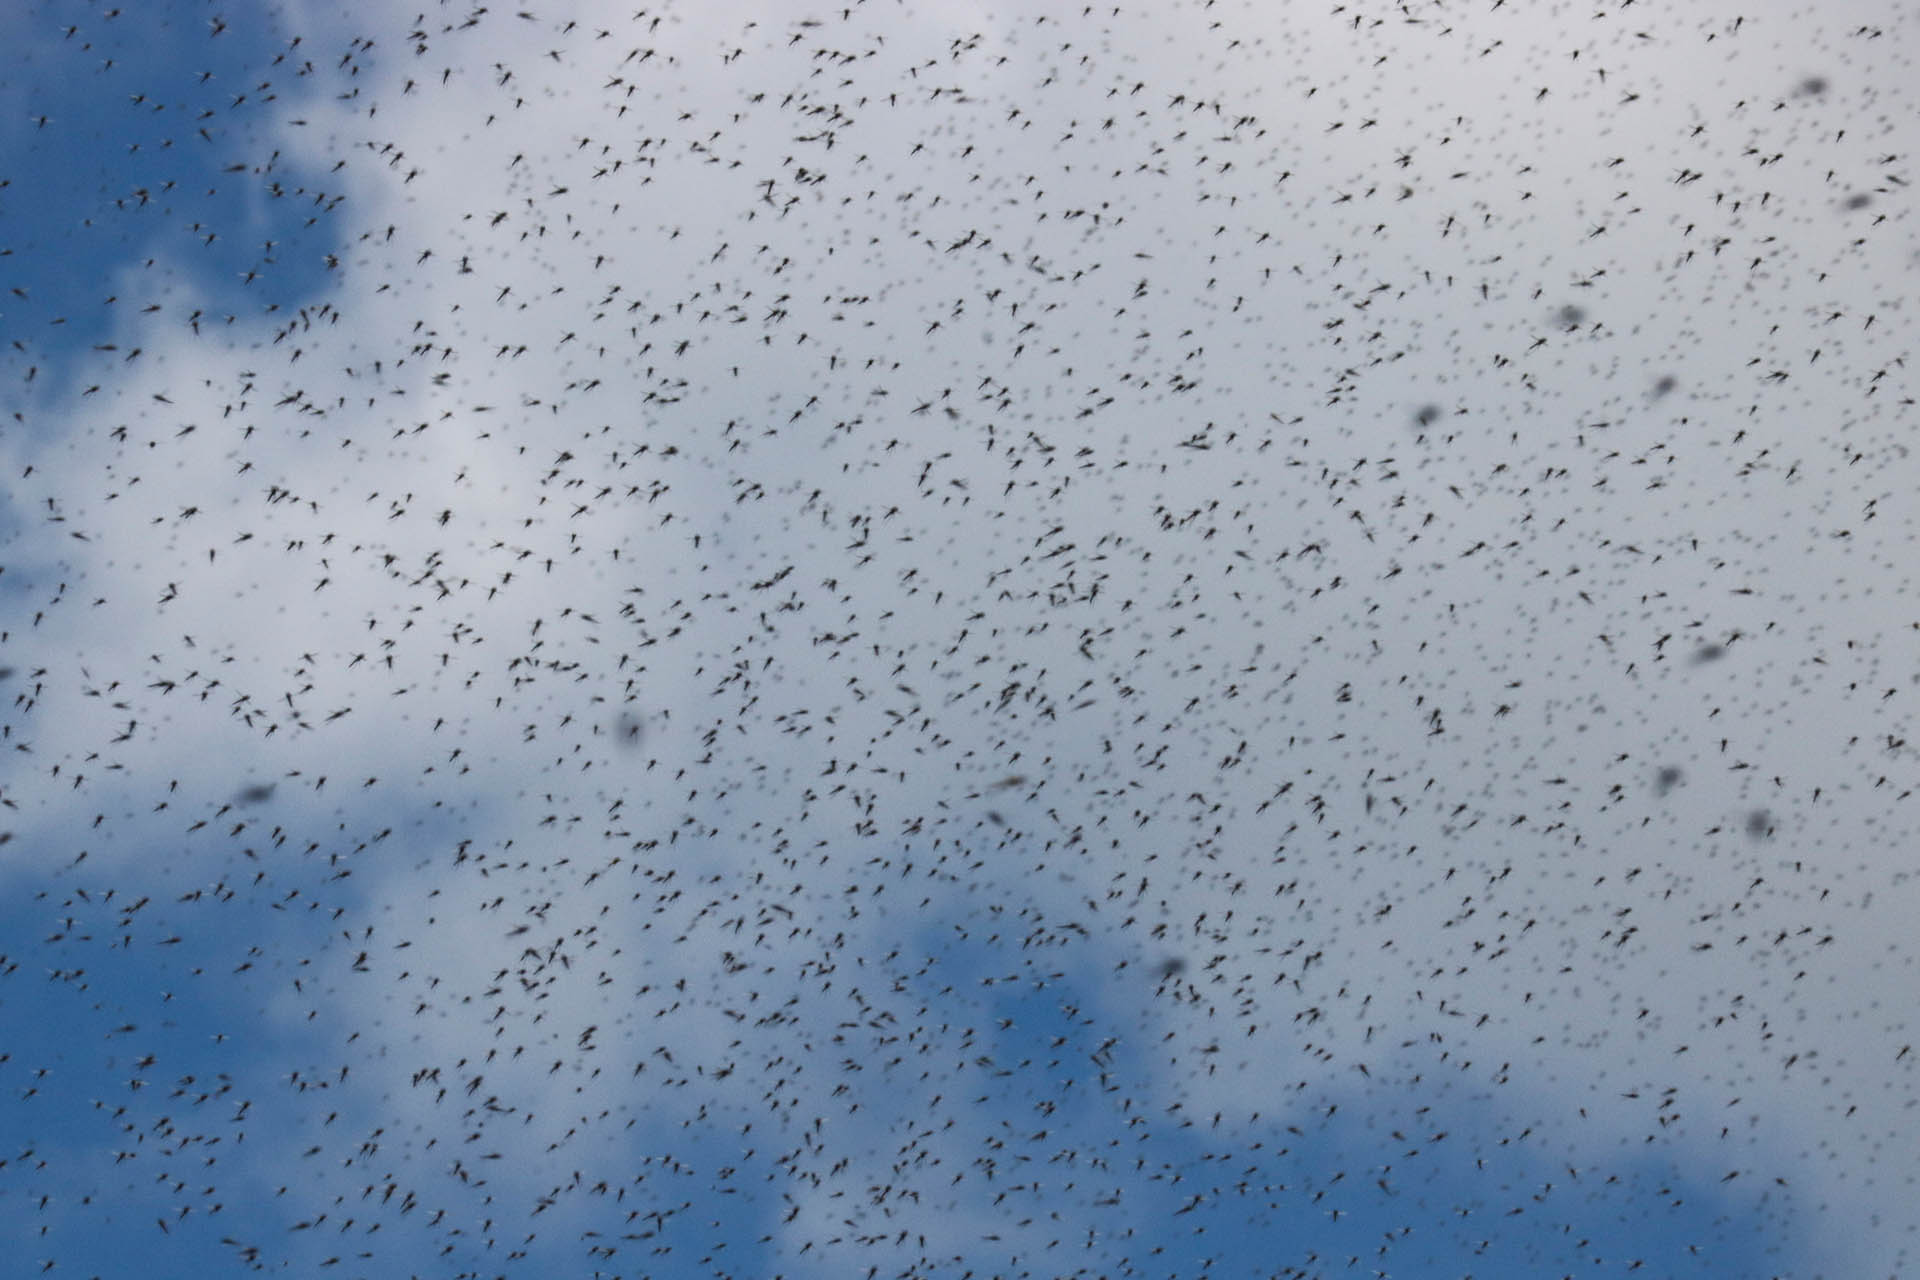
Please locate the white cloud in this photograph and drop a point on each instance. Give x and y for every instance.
(1363, 721)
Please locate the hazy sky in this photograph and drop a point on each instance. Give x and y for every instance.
(944, 639)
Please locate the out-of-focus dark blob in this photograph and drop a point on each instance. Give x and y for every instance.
(1859, 200)
(1759, 824)
(1172, 967)
(1571, 315)
(1426, 415)
(1664, 385)
(1667, 778)
(628, 729)
(1813, 86)
(254, 793)
(1709, 653)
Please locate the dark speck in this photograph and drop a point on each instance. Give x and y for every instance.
(627, 729)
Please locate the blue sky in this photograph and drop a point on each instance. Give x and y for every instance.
(1294, 1190)
(123, 139)
(981, 639)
